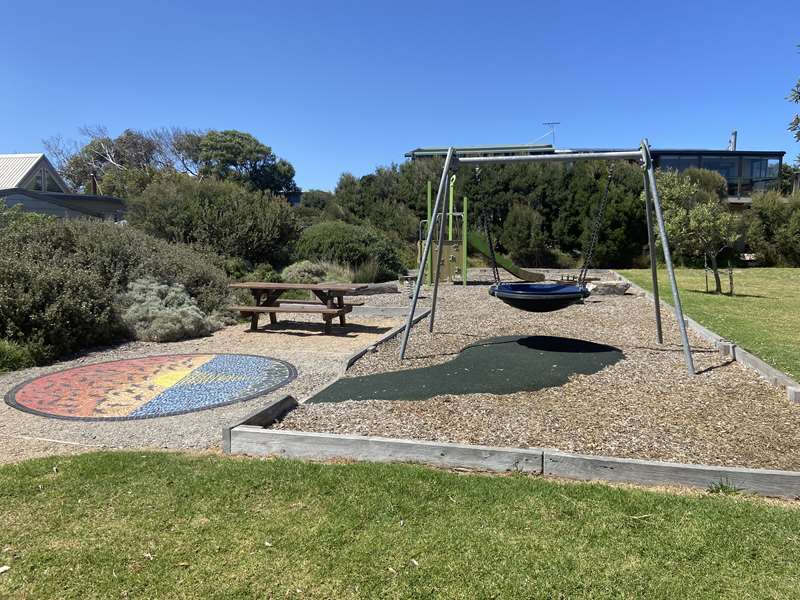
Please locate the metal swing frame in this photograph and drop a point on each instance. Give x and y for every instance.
(652, 208)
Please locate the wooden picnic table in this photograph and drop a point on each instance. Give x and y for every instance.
(267, 299)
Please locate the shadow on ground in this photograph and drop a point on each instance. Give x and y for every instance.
(305, 329)
(502, 365)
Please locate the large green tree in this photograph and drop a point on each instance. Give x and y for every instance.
(240, 157)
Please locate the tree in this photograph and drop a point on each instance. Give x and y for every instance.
(524, 236)
(315, 199)
(240, 157)
(697, 220)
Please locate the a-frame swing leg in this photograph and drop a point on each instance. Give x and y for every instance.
(650, 180)
(648, 203)
(426, 252)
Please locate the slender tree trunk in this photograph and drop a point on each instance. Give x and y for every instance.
(715, 268)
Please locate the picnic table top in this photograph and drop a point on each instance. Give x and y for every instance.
(321, 287)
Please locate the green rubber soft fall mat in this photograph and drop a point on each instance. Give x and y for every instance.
(501, 365)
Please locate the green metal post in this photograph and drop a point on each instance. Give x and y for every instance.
(452, 204)
(429, 265)
(464, 242)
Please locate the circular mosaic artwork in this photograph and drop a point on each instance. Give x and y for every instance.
(153, 386)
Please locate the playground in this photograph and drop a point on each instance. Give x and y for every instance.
(632, 399)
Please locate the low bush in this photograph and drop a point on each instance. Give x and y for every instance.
(15, 356)
(54, 305)
(59, 281)
(350, 245)
(158, 312)
(306, 271)
(367, 272)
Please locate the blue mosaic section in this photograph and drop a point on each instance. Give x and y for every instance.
(222, 380)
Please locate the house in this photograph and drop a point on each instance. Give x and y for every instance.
(744, 171)
(31, 181)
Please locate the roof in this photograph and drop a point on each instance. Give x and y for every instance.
(15, 167)
(546, 149)
(481, 150)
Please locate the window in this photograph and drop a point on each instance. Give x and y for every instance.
(728, 167)
(35, 182)
(678, 162)
(759, 173)
(51, 183)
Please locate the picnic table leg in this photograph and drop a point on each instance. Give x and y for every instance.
(254, 315)
(340, 304)
(326, 329)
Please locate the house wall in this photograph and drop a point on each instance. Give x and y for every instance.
(67, 208)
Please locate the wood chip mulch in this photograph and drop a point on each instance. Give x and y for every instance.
(645, 406)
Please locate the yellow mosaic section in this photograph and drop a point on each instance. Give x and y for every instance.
(123, 401)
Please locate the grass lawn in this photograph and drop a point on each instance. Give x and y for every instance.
(763, 317)
(158, 525)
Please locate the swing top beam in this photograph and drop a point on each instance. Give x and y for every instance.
(555, 157)
(652, 204)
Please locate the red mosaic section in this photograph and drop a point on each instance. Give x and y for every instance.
(77, 392)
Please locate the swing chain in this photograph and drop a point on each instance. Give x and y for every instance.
(598, 220)
(488, 232)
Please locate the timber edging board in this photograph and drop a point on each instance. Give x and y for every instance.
(250, 439)
(257, 439)
(731, 350)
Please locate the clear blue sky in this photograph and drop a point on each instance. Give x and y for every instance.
(345, 86)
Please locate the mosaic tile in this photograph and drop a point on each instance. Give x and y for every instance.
(153, 386)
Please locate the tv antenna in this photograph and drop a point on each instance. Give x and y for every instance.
(552, 126)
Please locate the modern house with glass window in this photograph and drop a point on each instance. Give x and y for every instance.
(745, 171)
(31, 181)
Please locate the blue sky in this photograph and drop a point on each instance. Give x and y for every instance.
(346, 86)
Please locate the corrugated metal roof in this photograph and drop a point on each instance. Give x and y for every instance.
(15, 167)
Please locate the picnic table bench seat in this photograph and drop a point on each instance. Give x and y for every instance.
(330, 301)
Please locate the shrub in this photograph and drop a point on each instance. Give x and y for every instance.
(56, 305)
(306, 271)
(59, 280)
(15, 356)
(772, 227)
(367, 272)
(221, 215)
(350, 245)
(157, 312)
(119, 255)
(707, 180)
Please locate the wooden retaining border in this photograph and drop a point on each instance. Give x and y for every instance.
(253, 436)
(385, 338)
(731, 351)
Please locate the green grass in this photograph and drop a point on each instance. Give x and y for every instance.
(157, 525)
(763, 317)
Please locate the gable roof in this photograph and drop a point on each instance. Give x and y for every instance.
(16, 168)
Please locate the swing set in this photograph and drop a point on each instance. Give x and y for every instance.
(547, 297)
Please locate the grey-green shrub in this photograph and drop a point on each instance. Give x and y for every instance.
(158, 312)
(304, 271)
